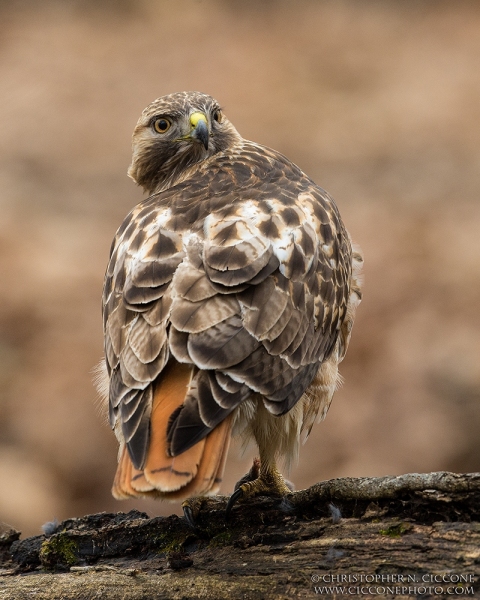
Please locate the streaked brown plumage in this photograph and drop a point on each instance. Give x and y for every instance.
(228, 303)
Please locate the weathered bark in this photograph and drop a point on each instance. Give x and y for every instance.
(413, 525)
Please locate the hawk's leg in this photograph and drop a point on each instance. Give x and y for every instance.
(263, 479)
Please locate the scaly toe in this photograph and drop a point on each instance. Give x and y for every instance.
(252, 475)
(269, 483)
(191, 509)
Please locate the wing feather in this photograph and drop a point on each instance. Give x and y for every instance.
(245, 275)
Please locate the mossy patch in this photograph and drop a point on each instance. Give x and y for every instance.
(396, 530)
(58, 551)
(222, 539)
(170, 543)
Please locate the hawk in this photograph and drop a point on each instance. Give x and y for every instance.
(228, 303)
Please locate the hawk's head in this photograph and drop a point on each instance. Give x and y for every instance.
(174, 133)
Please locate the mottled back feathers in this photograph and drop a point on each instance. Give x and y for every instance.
(240, 268)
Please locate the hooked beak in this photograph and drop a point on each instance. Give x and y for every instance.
(199, 132)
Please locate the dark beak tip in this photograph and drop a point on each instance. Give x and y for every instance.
(200, 133)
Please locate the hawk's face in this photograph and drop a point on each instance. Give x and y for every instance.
(174, 133)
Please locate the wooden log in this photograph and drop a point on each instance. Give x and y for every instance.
(417, 531)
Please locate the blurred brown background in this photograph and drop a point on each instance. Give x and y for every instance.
(378, 101)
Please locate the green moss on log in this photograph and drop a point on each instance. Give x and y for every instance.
(58, 551)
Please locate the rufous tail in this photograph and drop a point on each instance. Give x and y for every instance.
(196, 472)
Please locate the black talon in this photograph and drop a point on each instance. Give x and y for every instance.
(232, 501)
(189, 518)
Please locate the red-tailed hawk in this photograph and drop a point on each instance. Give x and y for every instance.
(228, 303)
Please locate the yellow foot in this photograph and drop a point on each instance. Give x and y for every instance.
(191, 509)
(259, 481)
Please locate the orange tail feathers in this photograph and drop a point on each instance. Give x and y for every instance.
(197, 471)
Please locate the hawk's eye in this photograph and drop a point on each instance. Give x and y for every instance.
(217, 116)
(161, 125)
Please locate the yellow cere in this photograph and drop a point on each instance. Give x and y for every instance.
(196, 117)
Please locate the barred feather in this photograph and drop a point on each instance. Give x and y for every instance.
(237, 268)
